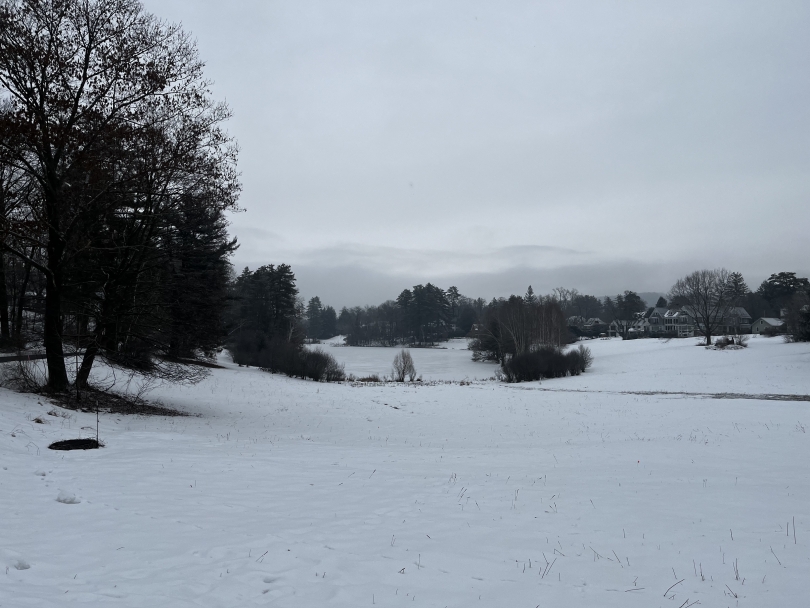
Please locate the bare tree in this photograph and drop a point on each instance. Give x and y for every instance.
(403, 366)
(706, 294)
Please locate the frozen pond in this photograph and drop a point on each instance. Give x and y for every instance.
(449, 361)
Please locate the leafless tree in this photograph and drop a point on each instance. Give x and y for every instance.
(706, 297)
(403, 366)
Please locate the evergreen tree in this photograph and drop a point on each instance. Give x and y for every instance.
(329, 323)
(314, 316)
(780, 287)
(628, 305)
(737, 289)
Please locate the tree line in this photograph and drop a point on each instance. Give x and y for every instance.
(420, 316)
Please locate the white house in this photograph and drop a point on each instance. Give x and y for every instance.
(764, 323)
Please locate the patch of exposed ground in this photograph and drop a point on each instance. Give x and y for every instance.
(91, 400)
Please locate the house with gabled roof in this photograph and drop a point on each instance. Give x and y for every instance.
(673, 322)
(765, 324)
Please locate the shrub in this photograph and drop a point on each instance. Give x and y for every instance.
(723, 341)
(546, 362)
(574, 362)
(586, 357)
(280, 356)
(741, 340)
(25, 376)
(335, 372)
(403, 366)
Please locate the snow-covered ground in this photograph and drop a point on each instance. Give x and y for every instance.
(615, 488)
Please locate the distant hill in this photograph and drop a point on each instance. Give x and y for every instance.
(651, 297)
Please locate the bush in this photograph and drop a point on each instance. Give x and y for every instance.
(740, 341)
(25, 376)
(546, 362)
(586, 357)
(802, 333)
(279, 356)
(369, 378)
(403, 366)
(723, 341)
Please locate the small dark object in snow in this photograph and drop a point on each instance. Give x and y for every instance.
(76, 444)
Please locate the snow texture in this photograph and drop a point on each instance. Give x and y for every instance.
(614, 488)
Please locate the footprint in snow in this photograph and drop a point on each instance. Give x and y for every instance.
(12, 559)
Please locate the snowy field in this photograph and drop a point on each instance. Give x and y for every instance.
(615, 488)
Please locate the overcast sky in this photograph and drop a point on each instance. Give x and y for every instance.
(597, 145)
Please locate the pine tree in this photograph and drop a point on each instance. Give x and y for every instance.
(737, 289)
(314, 318)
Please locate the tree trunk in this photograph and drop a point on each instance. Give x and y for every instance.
(87, 364)
(54, 354)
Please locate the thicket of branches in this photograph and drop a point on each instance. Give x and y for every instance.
(115, 178)
(517, 325)
(421, 316)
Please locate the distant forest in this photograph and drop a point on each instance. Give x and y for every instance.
(267, 311)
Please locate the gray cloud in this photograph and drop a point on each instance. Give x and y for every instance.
(441, 139)
(354, 285)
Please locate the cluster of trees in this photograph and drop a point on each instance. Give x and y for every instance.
(115, 179)
(578, 308)
(788, 295)
(321, 321)
(421, 316)
(517, 325)
(623, 310)
(711, 296)
(267, 326)
(781, 294)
